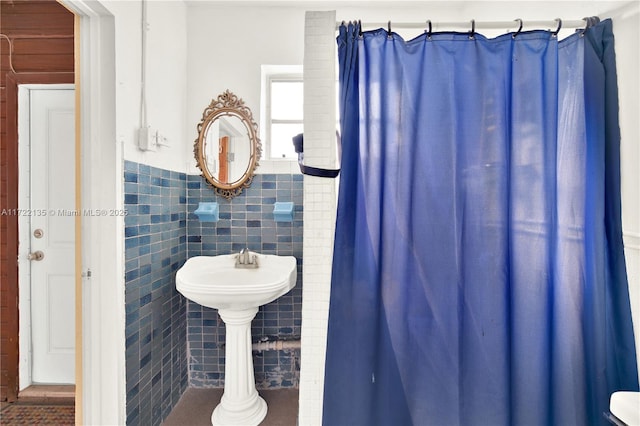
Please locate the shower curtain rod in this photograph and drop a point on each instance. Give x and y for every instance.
(474, 25)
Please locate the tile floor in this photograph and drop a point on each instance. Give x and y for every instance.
(41, 405)
(196, 405)
(28, 414)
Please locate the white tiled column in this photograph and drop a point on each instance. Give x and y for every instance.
(319, 207)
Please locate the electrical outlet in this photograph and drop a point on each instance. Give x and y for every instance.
(147, 139)
(161, 140)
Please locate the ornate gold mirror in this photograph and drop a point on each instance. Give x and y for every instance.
(228, 148)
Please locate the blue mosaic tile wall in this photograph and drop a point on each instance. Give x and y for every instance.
(247, 221)
(156, 328)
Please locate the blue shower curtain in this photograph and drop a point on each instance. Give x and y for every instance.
(478, 272)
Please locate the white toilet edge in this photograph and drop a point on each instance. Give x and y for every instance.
(626, 407)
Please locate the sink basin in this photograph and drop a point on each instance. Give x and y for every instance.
(215, 282)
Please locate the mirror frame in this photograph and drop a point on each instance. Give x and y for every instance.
(228, 104)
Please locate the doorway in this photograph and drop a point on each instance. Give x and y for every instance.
(46, 240)
(99, 395)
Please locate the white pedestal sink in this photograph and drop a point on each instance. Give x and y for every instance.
(215, 282)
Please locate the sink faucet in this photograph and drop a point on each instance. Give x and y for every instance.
(244, 256)
(245, 259)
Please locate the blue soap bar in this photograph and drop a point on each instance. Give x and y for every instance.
(283, 212)
(208, 212)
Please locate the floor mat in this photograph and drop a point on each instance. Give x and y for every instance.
(25, 414)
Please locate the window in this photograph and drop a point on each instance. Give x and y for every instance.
(283, 109)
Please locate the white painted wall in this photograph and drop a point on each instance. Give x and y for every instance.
(166, 78)
(227, 45)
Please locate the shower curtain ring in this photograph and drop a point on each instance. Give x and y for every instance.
(588, 23)
(428, 31)
(519, 28)
(555, 33)
(472, 34)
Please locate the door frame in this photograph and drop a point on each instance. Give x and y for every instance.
(13, 80)
(24, 235)
(100, 390)
(100, 317)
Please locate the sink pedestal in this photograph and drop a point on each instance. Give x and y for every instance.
(240, 403)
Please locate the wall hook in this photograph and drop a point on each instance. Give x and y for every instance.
(472, 34)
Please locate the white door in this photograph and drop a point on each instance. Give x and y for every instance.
(52, 233)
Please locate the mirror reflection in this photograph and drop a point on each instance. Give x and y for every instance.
(227, 149)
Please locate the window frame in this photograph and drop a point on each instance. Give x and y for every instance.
(278, 76)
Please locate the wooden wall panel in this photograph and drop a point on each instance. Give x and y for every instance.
(41, 32)
(35, 17)
(42, 63)
(4, 61)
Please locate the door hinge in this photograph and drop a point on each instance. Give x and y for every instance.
(87, 274)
